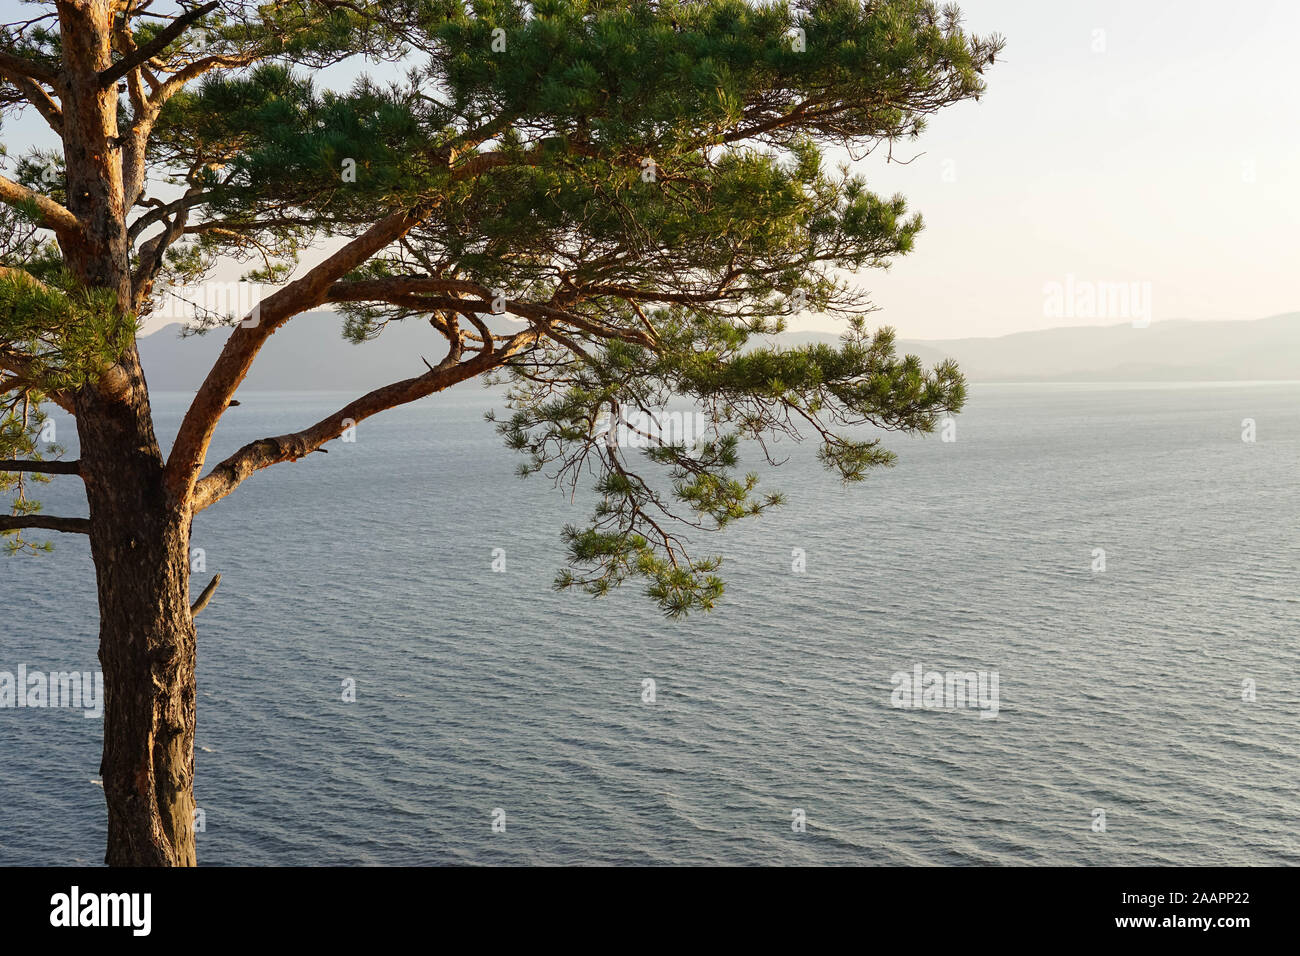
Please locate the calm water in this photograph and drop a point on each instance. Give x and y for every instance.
(476, 690)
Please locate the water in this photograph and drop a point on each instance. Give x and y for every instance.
(1119, 691)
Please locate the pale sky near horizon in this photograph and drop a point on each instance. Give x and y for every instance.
(1169, 156)
(1148, 142)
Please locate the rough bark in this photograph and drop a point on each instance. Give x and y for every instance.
(139, 540)
(140, 508)
(139, 536)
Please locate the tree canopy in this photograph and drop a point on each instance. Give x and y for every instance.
(644, 186)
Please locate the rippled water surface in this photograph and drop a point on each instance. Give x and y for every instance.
(1119, 691)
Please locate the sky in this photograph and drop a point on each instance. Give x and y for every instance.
(1138, 142)
(1130, 156)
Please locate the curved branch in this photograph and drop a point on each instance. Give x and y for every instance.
(13, 65)
(51, 214)
(193, 71)
(225, 477)
(35, 94)
(376, 290)
(141, 56)
(214, 395)
(160, 212)
(398, 289)
(202, 600)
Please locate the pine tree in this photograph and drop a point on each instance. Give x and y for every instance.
(644, 184)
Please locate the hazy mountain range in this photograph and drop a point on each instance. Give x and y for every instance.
(309, 354)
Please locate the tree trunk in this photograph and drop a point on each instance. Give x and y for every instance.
(139, 540)
(139, 535)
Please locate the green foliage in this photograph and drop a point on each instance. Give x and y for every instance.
(22, 425)
(65, 335)
(68, 333)
(742, 236)
(740, 390)
(647, 177)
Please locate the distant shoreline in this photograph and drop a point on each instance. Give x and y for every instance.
(1025, 383)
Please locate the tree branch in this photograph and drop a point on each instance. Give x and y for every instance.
(213, 397)
(34, 93)
(398, 289)
(110, 75)
(160, 212)
(193, 71)
(44, 467)
(202, 600)
(153, 253)
(51, 214)
(25, 375)
(376, 290)
(45, 522)
(225, 477)
(12, 65)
